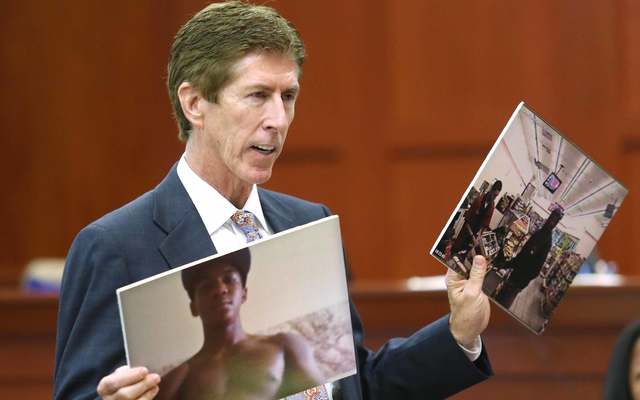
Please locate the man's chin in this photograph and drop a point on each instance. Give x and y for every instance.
(221, 321)
(258, 177)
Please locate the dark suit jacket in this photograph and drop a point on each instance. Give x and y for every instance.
(162, 230)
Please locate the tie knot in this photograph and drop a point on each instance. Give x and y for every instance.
(246, 221)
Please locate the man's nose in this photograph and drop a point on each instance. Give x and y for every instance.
(277, 118)
(221, 287)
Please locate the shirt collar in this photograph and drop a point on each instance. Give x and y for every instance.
(254, 206)
(214, 209)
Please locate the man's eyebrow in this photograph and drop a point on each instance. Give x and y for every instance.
(230, 268)
(259, 86)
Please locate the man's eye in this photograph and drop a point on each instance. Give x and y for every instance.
(288, 97)
(231, 278)
(259, 95)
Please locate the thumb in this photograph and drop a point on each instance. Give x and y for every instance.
(476, 276)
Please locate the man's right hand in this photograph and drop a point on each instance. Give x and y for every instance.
(470, 308)
(128, 384)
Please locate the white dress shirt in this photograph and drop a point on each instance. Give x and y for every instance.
(216, 211)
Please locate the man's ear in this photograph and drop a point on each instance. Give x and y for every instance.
(244, 294)
(191, 103)
(194, 309)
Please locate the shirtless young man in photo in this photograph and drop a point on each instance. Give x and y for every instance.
(234, 365)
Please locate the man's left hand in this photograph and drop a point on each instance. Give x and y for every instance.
(470, 308)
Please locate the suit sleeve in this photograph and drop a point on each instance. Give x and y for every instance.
(89, 341)
(427, 365)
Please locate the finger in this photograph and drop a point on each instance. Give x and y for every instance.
(476, 276)
(121, 377)
(452, 278)
(150, 394)
(139, 388)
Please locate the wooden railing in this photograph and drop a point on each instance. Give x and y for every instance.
(27, 345)
(567, 362)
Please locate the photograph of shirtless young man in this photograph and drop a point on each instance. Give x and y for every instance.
(233, 364)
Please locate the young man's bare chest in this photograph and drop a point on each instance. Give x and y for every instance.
(251, 370)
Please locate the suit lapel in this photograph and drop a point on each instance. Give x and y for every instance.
(185, 243)
(187, 238)
(276, 214)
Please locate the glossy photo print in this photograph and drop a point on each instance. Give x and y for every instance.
(535, 209)
(264, 321)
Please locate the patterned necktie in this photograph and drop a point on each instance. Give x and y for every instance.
(316, 393)
(246, 221)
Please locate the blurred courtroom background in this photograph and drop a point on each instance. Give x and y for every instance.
(400, 102)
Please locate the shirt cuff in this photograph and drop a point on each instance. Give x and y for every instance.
(473, 353)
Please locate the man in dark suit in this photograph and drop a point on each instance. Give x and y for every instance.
(233, 83)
